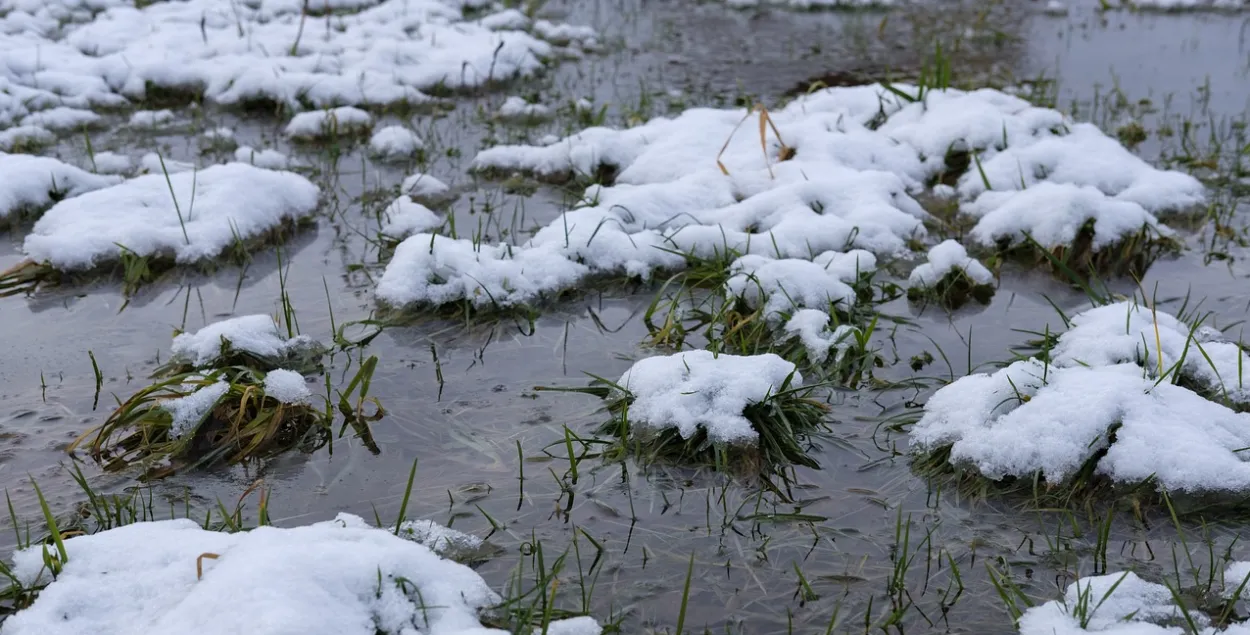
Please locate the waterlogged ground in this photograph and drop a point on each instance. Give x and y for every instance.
(867, 542)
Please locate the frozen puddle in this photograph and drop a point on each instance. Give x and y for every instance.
(834, 171)
(1126, 397)
(207, 213)
(108, 54)
(340, 576)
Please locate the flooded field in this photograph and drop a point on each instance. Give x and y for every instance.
(868, 542)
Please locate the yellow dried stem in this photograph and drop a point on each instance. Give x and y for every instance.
(199, 564)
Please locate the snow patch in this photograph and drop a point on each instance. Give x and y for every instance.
(31, 182)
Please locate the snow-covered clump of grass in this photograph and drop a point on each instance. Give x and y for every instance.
(153, 163)
(232, 391)
(61, 118)
(405, 217)
(342, 576)
(163, 219)
(517, 109)
(433, 270)
(424, 187)
(780, 287)
(267, 158)
(1121, 603)
(1125, 399)
(25, 138)
(1179, 5)
(388, 53)
(950, 277)
(344, 121)
(395, 143)
(151, 119)
(1166, 349)
(250, 340)
(737, 413)
(111, 163)
(31, 184)
(811, 5)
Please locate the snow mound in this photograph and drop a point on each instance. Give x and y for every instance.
(435, 270)
(25, 137)
(1126, 332)
(387, 52)
(61, 118)
(255, 335)
(782, 286)
(111, 163)
(151, 119)
(1121, 603)
(404, 217)
(395, 142)
(268, 159)
(328, 123)
(945, 258)
(423, 186)
(815, 4)
(287, 386)
(34, 183)
(187, 413)
(696, 389)
(340, 576)
(208, 212)
(812, 328)
(516, 108)
(1180, 5)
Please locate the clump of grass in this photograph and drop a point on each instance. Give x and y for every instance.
(240, 423)
(1079, 260)
(787, 422)
(952, 291)
(138, 270)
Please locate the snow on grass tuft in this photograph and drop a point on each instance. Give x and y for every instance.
(404, 217)
(27, 137)
(325, 124)
(517, 109)
(256, 54)
(697, 390)
(256, 336)
(782, 286)
(231, 202)
(339, 576)
(61, 118)
(1121, 603)
(287, 386)
(112, 163)
(1118, 402)
(950, 276)
(268, 159)
(151, 119)
(32, 183)
(435, 270)
(424, 186)
(812, 328)
(395, 142)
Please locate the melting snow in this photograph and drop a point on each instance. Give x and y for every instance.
(287, 386)
(31, 182)
(254, 334)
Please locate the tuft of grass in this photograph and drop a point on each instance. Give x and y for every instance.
(243, 423)
(952, 291)
(1080, 262)
(787, 422)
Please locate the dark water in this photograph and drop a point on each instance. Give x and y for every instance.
(464, 432)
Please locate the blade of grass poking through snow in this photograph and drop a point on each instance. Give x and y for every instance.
(403, 504)
(53, 529)
(169, 182)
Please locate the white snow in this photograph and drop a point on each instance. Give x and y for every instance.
(254, 334)
(420, 185)
(150, 119)
(436, 270)
(33, 183)
(288, 387)
(153, 163)
(1121, 603)
(268, 159)
(1179, 5)
(322, 124)
(404, 217)
(1055, 7)
(111, 163)
(815, 4)
(696, 389)
(339, 576)
(944, 258)
(236, 53)
(61, 118)
(188, 412)
(811, 326)
(229, 201)
(1126, 332)
(782, 286)
(25, 136)
(439, 539)
(517, 108)
(395, 142)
